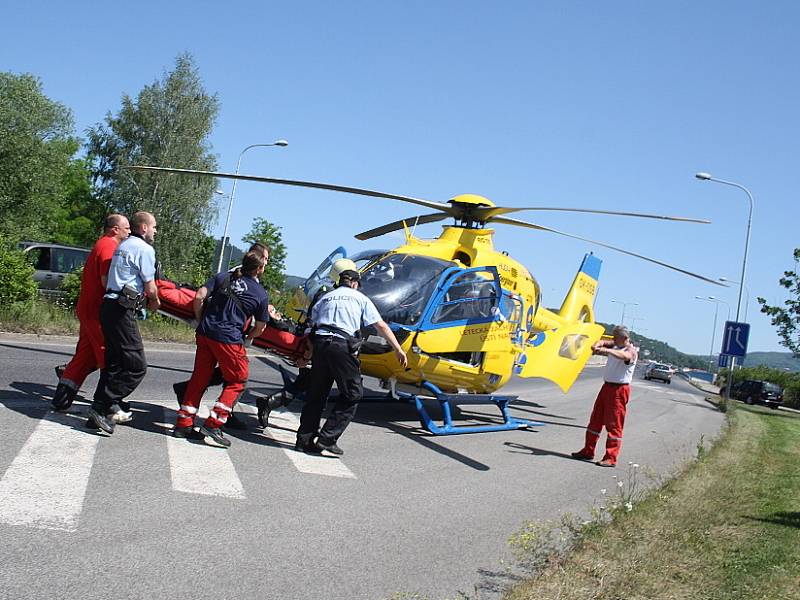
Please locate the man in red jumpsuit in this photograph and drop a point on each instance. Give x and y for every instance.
(90, 350)
(612, 400)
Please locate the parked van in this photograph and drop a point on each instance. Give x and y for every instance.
(752, 391)
(52, 262)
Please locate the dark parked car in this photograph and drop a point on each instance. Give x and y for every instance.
(658, 371)
(752, 391)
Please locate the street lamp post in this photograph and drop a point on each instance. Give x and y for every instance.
(281, 143)
(624, 306)
(708, 177)
(746, 294)
(716, 302)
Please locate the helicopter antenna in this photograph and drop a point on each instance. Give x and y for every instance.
(416, 222)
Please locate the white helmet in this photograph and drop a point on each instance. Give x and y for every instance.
(339, 266)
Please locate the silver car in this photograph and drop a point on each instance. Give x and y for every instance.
(658, 371)
(52, 262)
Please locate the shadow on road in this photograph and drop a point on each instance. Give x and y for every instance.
(517, 448)
(43, 350)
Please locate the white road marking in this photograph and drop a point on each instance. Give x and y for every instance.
(200, 469)
(45, 485)
(283, 425)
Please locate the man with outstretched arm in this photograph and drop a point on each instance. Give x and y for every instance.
(337, 319)
(612, 400)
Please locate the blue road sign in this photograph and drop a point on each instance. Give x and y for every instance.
(734, 339)
(723, 360)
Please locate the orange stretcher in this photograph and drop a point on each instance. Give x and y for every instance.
(176, 302)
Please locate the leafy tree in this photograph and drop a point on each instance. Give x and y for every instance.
(787, 317)
(36, 149)
(267, 233)
(16, 276)
(80, 217)
(167, 124)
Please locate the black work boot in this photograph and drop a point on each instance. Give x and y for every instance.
(180, 390)
(63, 398)
(212, 436)
(329, 446)
(101, 421)
(189, 433)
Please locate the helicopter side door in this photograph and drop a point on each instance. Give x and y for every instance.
(464, 314)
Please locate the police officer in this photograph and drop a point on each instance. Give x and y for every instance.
(131, 281)
(337, 318)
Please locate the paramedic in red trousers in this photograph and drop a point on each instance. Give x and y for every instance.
(222, 307)
(338, 317)
(612, 401)
(90, 350)
(179, 388)
(131, 282)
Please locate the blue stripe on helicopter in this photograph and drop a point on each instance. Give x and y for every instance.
(591, 266)
(538, 339)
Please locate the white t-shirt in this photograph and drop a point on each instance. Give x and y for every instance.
(345, 308)
(617, 371)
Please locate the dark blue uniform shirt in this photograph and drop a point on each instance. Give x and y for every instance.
(223, 321)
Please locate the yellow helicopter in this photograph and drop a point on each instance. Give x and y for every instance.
(469, 317)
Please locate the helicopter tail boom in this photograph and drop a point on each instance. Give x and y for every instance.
(560, 350)
(578, 304)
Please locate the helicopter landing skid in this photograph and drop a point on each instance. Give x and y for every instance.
(445, 400)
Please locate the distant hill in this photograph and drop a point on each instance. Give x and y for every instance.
(293, 281)
(783, 361)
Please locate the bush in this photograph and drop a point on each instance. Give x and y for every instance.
(16, 277)
(790, 382)
(72, 288)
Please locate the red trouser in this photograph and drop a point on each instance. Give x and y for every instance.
(89, 354)
(609, 412)
(232, 361)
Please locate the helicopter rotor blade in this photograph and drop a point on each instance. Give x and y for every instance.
(409, 222)
(296, 183)
(517, 222)
(488, 214)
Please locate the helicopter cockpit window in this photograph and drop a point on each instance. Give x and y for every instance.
(320, 274)
(470, 296)
(401, 285)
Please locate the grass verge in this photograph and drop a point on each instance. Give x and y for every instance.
(728, 528)
(48, 318)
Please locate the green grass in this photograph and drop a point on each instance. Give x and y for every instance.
(48, 318)
(728, 528)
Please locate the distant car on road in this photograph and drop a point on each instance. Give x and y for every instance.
(752, 391)
(52, 262)
(658, 371)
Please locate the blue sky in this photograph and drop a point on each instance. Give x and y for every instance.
(611, 105)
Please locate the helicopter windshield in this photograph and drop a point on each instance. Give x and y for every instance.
(400, 285)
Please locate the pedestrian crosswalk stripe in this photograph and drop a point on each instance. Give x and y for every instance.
(45, 485)
(201, 469)
(284, 425)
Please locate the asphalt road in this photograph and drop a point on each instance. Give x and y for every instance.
(142, 515)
